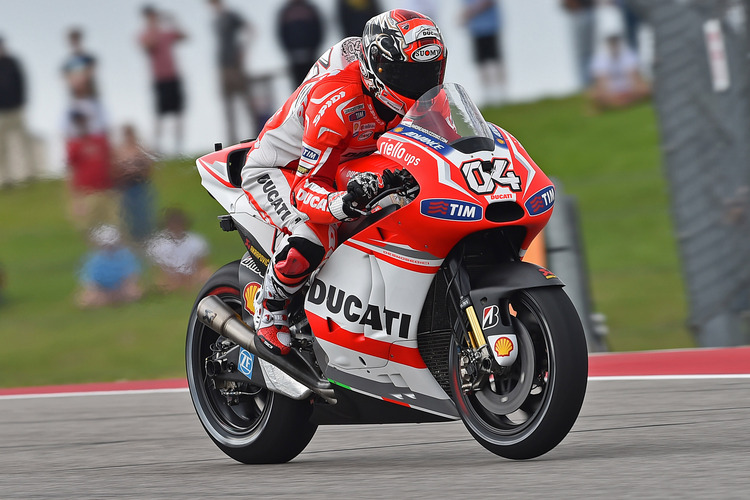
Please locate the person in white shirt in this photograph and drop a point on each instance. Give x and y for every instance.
(181, 255)
(617, 81)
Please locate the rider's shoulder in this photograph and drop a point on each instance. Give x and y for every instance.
(345, 83)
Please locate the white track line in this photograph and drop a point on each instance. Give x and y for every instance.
(605, 378)
(91, 393)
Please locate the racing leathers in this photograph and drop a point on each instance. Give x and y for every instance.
(289, 177)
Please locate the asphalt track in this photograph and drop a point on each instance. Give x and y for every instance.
(652, 436)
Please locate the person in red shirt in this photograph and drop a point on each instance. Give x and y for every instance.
(357, 90)
(158, 40)
(91, 181)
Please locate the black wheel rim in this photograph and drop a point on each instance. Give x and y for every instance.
(512, 403)
(232, 424)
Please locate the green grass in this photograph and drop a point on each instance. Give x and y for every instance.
(612, 165)
(610, 162)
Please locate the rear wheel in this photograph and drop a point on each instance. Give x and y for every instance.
(525, 410)
(250, 424)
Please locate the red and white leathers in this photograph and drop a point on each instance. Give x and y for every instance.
(327, 121)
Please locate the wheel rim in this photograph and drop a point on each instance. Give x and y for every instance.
(233, 425)
(510, 405)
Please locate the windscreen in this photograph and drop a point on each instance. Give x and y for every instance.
(446, 113)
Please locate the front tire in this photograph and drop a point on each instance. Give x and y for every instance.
(263, 427)
(527, 410)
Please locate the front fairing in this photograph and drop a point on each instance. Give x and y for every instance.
(473, 176)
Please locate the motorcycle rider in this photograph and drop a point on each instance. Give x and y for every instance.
(356, 91)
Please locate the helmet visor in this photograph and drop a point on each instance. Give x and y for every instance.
(411, 79)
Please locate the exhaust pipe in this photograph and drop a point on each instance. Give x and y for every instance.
(219, 317)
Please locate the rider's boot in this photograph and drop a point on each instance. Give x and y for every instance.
(271, 301)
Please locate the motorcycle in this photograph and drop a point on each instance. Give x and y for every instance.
(424, 312)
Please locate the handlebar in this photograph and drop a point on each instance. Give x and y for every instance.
(400, 181)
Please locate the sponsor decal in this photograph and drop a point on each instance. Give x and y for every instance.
(455, 210)
(246, 362)
(427, 53)
(499, 138)
(419, 32)
(541, 201)
(313, 200)
(258, 255)
(330, 102)
(423, 139)
(310, 154)
(490, 317)
(547, 273)
(398, 129)
(503, 346)
(379, 318)
(249, 295)
(357, 115)
(500, 197)
(367, 126)
(365, 135)
(353, 109)
(273, 197)
(398, 151)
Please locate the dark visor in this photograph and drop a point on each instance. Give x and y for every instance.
(411, 79)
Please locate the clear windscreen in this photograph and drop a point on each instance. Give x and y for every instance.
(447, 113)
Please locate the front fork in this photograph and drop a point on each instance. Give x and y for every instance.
(475, 364)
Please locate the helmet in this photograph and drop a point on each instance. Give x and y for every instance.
(402, 57)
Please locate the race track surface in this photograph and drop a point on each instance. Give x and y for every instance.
(635, 438)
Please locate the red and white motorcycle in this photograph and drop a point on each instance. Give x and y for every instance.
(424, 312)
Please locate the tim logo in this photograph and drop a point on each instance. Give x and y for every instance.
(357, 115)
(541, 201)
(451, 210)
(310, 154)
(490, 317)
(245, 365)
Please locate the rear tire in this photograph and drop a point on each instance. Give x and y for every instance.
(263, 428)
(526, 411)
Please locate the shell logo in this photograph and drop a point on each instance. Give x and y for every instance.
(503, 346)
(249, 295)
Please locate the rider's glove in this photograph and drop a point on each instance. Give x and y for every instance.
(360, 189)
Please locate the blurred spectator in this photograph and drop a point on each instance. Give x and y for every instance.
(91, 183)
(232, 33)
(582, 16)
(353, 14)
(617, 79)
(12, 99)
(110, 273)
(632, 23)
(158, 40)
(300, 31)
(132, 170)
(180, 254)
(482, 18)
(79, 72)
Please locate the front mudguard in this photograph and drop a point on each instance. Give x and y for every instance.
(492, 288)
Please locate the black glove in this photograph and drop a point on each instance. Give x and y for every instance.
(362, 188)
(350, 204)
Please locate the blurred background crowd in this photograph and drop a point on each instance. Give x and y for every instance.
(109, 156)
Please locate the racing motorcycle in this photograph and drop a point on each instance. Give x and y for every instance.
(424, 312)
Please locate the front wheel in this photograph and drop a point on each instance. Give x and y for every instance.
(250, 424)
(525, 410)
